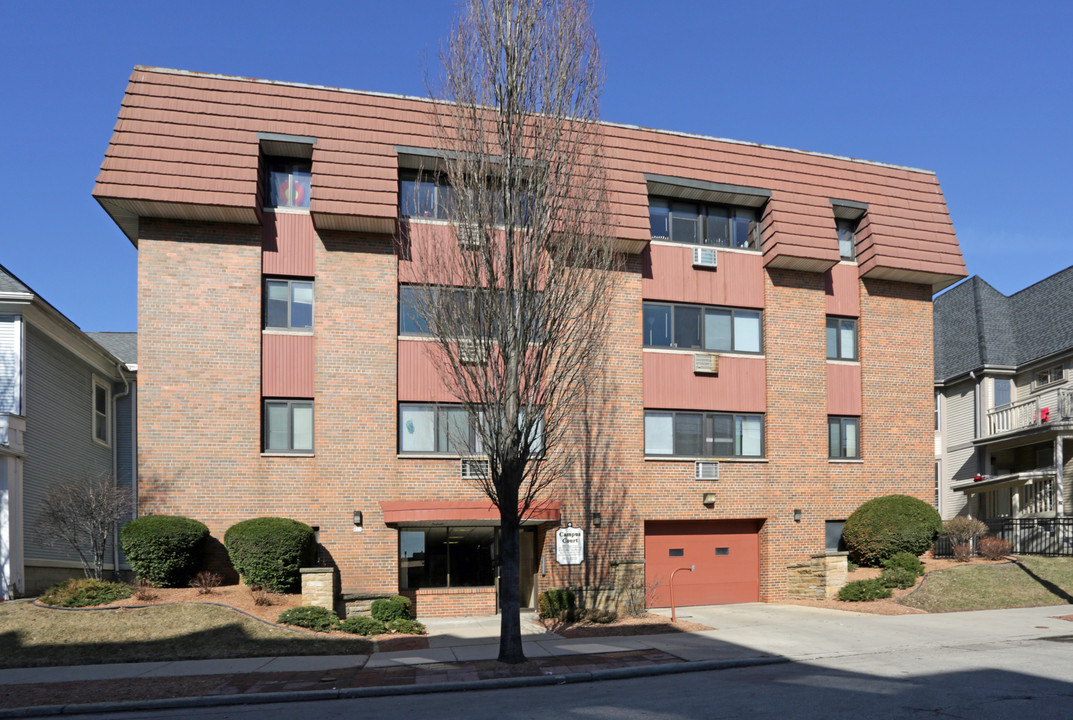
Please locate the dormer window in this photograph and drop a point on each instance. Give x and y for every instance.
(847, 239)
(288, 182)
(684, 222)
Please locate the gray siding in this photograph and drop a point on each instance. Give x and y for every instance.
(960, 411)
(59, 435)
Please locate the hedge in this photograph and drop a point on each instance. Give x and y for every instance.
(885, 526)
(271, 551)
(164, 550)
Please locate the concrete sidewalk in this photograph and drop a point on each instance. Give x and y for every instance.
(461, 655)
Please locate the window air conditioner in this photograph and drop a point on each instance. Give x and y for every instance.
(469, 236)
(470, 352)
(706, 363)
(705, 257)
(704, 470)
(474, 468)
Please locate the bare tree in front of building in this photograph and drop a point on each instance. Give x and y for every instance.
(84, 513)
(517, 300)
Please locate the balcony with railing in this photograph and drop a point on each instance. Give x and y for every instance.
(12, 430)
(1031, 493)
(1028, 413)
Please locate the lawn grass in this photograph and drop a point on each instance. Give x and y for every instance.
(1040, 582)
(34, 636)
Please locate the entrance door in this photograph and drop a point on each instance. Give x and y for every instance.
(725, 555)
(526, 569)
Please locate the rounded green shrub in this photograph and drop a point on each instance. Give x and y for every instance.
(163, 550)
(885, 526)
(271, 551)
(396, 607)
(406, 626)
(84, 592)
(362, 625)
(310, 616)
(863, 591)
(905, 561)
(901, 578)
(557, 604)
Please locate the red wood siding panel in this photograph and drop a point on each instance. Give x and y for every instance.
(733, 577)
(288, 243)
(419, 379)
(843, 389)
(671, 384)
(287, 365)
(668, 274)
(843, 292)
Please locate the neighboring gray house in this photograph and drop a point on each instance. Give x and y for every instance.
(1004, 403)
(67, 406)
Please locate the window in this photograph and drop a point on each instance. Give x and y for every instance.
(734, 227)
(938, 405)
(425, 196)
(695, 327)
(288, 426)
(1002, 392)
(453, 556)
(841, 338)
(1049, 375)
(445, 429)
(847, 238)
(288, 182)
(288, 304)
(833, 541)
(843, 437)
(695, 434)
(102, 425)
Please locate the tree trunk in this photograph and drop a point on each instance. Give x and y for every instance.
(510, 630)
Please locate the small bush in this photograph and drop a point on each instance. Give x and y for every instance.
(206, 582)
(144, 592)
(964, 529)
(83, 592)
(600, 617)
(557, 604)
(885, 526)
(310, 616)
(362, 625)
(406, 626)
(270, 551)
(851, 566)
(905, 561)
(396, 607)
(963, 552)
(902, 578)
(261, 597)
(163, 549)
(994, 548)
(863, 591)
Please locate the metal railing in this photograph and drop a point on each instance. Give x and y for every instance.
(1027, 536)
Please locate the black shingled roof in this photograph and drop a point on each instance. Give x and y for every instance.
(124, 345)
(976, 325)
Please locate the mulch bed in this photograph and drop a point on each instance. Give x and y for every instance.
(647, 624)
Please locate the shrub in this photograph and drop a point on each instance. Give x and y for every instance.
(863, 590)
(887, 525)
(144, 592)
(362, 625)
(905, 561)
(310, 616)
(270, 551)
(964, 529)
(395, 607)
(406, 626)
(557, 604)
(206, 582)
(601, 617)
(994, 548)
(902, 578)
(163, 549)
(963, 552)
(260, 596)
(84, 592)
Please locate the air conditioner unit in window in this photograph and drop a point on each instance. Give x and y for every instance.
(704, 470)
(705, 257)
(471, 352)
(474, 468)
(469, 236)
(706, 363)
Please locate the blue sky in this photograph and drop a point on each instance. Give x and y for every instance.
(979, 92)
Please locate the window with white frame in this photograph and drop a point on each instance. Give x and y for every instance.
(703, 224)
(699, 434)
(288, 304)
(1049, 375)
(1003, 388)
(288, 426)
(102, 412)
(699, 327)
(843, 438)
(841, 338)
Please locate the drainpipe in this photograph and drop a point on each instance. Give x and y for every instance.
(115, 461)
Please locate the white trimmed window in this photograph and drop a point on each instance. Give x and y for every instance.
(102, 414)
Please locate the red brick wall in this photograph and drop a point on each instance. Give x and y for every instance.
(452, 602)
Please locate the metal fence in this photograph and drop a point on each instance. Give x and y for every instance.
(1027, 536)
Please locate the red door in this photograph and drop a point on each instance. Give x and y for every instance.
(724, 553)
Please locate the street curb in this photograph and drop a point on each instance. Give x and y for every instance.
(205, 701)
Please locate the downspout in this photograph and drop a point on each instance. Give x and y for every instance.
(115, 461)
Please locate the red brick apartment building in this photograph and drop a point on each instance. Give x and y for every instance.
(770, 341)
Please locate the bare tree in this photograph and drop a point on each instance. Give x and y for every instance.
(84, 514)
(518, 305)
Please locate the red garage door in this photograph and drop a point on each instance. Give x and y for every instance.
(724, 553)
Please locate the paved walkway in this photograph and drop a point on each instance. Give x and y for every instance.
(461, 655)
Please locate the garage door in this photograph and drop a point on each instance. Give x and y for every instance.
(724, 553)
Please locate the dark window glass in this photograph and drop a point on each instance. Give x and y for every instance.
(833, 540)
(687, 434)
(657, 322)
(721, 435)
(691, 434)
(703, 224)
(744, 228)
(841, 338)
(687, 327)
(722, 551)
(1002, 392)
(843, 437)
(410, 322)
(455, 556)
(847, 239)
(693, 327)
(718, 226)
(676, 552)
(288, 304)
(288, 182)
(659, 218)
(685, 223)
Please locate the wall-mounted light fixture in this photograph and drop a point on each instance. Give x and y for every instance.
(316, 534)
(357, 521)
(597, 519)
(708, 499)
(797, 515)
